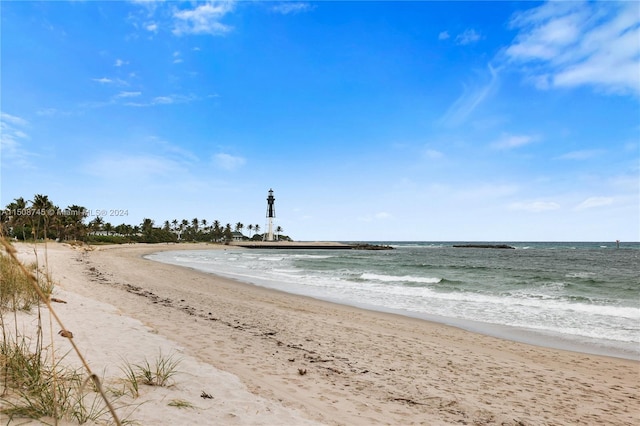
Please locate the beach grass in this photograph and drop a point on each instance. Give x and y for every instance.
(158, 373)
(35, 384)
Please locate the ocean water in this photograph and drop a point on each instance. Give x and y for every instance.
(579, 296)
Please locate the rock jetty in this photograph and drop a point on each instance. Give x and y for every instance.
(489, 246)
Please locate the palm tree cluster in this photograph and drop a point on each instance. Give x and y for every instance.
(40, 218)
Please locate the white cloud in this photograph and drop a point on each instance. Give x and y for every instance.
(204, 19)
(11, 138)
(376, 216)
(164, 100)
(513, 141)
(469, 36)
(433, 154)
(581, 155)
(228, 162)
(485, 192)
(47, 111)
(119, 63)
(470, 99)
(174, 151)
(106, 80)
(570, 44)
(443, 35)
(535, 206)
(292, 7)
(593, 202)
(132, 167)
(128, 94)
(152, 27)
(8, 118)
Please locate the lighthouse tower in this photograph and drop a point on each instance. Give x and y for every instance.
(271, 213)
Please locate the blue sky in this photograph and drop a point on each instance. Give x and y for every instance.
(459, 121)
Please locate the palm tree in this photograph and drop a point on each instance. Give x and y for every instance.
(239, 227)
(147, 226)
(74, 216)
(278, 231)
(107, 227)
(195, 223)
(217, 232)
(41, 209)
(17, 216)
(228, 235)
(96, 224)
(166, 226)
(250, 228)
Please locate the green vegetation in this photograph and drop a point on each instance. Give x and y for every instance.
(41, 218)
(35, 382)
(157, 374)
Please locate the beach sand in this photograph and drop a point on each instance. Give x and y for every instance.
(273, 358)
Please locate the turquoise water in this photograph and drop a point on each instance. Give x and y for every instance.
(583, 296)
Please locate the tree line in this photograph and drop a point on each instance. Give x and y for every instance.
(40, 218)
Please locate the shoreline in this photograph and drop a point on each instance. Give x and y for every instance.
(360, 366)
(524, 335)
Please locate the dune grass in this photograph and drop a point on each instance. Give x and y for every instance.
(36, 384)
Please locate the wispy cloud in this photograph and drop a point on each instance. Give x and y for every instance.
(443, 35)
(486, 191)
(13, 119)
(376, 217)
(594, 202)
(133, 167)
(469, 36)
(151, 26)
(513, 141)
(292, 7)
(109, 81)
(173, 151)
(204, 19)
(228, 161)
(584, 154)
(570, 44)
(535, 206)
(12, 137)
(128, 94)
(163, 100)
(120, 62)
(470, 99)
(433, 154)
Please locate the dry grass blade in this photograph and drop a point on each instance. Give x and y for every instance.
(44, 298)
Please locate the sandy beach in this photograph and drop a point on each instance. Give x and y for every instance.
(272, 358)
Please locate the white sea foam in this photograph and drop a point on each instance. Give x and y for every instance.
(403, 278)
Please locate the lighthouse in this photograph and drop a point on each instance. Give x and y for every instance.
(271, 213)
